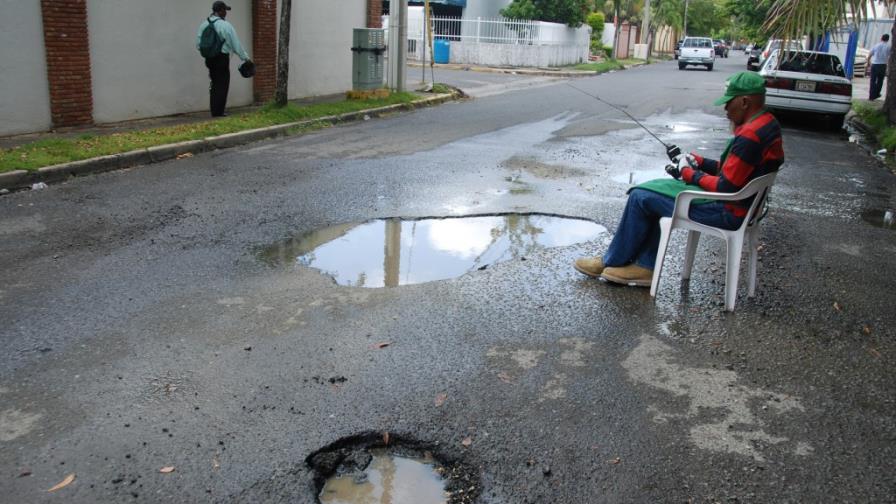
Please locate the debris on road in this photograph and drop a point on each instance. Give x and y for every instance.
(64, 483)
(467, 441)
(167, 470)
(440, 399)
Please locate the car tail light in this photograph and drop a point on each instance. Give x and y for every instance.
(776, 83)
(834, 88)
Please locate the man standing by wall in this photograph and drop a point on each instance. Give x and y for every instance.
(880, 54)
(218, 64)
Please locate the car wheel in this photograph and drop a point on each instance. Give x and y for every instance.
(681, 66)
(709, 67)
(836, 122)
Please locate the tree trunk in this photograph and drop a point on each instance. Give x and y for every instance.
(280, 96)
(890, 99)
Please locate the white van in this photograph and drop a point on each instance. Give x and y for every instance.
(697, 51)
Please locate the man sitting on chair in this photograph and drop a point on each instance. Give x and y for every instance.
(755, 150)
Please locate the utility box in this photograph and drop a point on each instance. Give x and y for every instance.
(368, 49)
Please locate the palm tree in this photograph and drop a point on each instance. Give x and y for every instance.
(791, 19)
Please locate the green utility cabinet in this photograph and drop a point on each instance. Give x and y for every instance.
(368, 49)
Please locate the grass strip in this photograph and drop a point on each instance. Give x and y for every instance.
(601, 67)
(876, 120)
(54, 151)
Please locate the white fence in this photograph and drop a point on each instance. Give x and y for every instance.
(501, 41)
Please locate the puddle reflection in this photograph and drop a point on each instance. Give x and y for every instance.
(388, 480)
(392, 252)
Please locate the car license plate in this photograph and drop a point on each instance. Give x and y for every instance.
(805, 86)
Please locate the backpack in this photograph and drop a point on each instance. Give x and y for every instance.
(210, 42)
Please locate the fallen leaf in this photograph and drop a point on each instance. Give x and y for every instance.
(504, 377)
(837, 306)
(615, 460)
(167, 469)
(866, 329)
(440, 399)
(382, 344)
(185, 155)
(64, 483)
(467, 441)
(386, 438)
(875, 353)
(26, 472)
(215, 464)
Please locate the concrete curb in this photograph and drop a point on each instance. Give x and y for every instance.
(523, 71)
(20, 179)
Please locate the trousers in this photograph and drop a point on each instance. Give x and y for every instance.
(219, 74)
(638, 235)
(878, 72)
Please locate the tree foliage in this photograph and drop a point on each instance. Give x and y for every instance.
(748, 16)
(569, 12)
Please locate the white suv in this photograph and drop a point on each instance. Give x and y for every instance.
(697, 51)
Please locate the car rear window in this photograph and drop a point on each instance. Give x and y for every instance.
(814, 63)
(697, 43)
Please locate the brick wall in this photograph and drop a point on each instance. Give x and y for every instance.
(264, 48)
(374, 13)
(68, 61)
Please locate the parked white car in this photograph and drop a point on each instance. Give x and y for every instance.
(807, 81)
(696, 51)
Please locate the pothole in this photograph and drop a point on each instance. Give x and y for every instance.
(383, 469)
(880, 218)
(393, 252)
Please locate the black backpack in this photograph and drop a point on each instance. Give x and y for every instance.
(210, 42)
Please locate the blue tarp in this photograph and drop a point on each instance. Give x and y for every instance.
(454, 3)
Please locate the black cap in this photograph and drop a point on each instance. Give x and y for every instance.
(219, 6)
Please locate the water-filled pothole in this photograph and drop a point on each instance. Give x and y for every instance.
(880, 218)
(387, 479)
(379, 468)
(392, 252)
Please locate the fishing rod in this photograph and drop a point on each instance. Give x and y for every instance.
(598, 98)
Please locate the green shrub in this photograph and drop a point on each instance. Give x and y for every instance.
(596, 21)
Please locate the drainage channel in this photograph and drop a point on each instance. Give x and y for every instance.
(379, 468)
(395, 251)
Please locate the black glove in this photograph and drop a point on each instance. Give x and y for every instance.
(673, 151)
(673, 170)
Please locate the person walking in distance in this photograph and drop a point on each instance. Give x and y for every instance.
(216, 45)
(880, 54)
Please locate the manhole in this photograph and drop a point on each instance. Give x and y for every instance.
(379, 468)
(393, 252)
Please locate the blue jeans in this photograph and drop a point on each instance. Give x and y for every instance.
(638, 235)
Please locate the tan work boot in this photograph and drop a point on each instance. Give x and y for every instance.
(591, 266)
(631, 275)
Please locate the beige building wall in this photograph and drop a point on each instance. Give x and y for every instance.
(320, 56)
(24, 91)
(145, 62)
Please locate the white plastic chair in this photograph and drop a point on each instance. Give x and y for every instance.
(734, 239)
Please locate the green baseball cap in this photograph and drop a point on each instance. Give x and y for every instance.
(742, 84)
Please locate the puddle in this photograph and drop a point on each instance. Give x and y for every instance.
(880, 218)
(392, 252)
(387, 480)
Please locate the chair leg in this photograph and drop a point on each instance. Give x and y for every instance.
(665, 233)
(690, 253)
(732, 270)
(753, 243)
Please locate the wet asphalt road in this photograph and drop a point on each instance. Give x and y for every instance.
(141, 330)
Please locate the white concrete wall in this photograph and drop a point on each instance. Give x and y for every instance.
(144, 58)
(320, 56)
(24, 90)
(517, 55)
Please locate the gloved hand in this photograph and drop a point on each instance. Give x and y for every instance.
(673, 170)
(673, 151)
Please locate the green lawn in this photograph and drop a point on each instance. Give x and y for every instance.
(876, 119)
(603, 66)
(55, 151)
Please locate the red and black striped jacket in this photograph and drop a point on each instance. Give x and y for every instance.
(755, 150)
